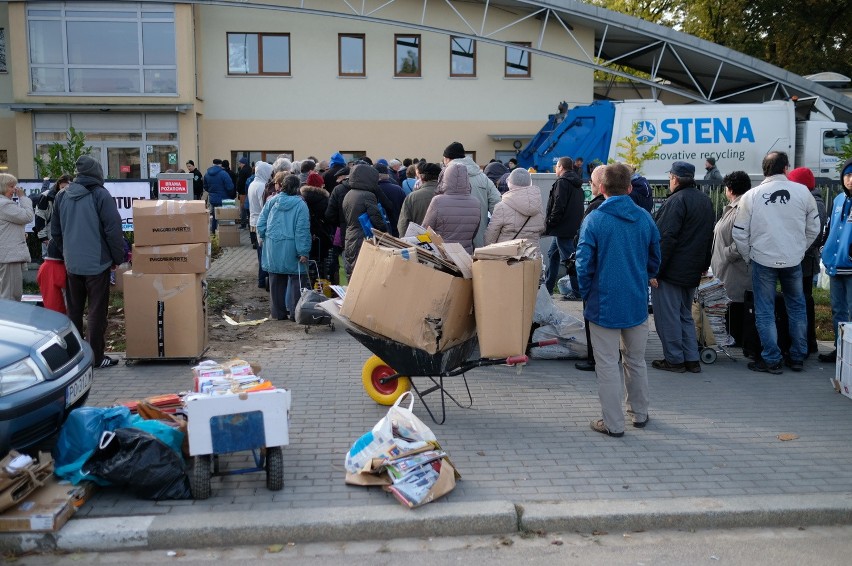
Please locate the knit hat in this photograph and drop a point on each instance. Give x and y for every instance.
(804, 176)
(337, 159)
(382, 161)
(382, 168)
(315, 180)
(88, 167)
(846, 169)
(454, 151)
(243, 160)
(519, 178)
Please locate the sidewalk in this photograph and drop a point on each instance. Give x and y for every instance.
(709, 458)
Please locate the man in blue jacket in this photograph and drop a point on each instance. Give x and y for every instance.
(218, 184)
(617, 258)
(837, 258)
(86, 227)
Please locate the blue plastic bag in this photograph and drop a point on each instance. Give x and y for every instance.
(80, 435)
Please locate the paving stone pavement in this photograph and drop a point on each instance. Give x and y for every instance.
(527, 438)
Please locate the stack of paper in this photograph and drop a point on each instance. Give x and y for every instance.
(512, 249)
(713, 298)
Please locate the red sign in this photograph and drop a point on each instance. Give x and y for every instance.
(173, 187)
(124, 168)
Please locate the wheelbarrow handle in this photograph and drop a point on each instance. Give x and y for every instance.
(514, 360)
(548, 342)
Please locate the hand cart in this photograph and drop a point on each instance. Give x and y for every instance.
(709, 311)
(388, 373)
(257, 422)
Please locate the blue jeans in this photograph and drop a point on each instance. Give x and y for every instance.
(841, 301)
(763, 280)
(559, 252)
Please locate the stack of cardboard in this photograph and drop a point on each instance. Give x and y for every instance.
(227, 216)
(165, 292)
(410, 295)
(505, 283)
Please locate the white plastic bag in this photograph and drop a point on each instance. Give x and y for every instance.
(823, 279)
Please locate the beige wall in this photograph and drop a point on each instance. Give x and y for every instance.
(316, 112)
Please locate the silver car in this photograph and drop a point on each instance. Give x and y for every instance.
(45, 372)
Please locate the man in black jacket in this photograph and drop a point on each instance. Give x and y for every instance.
(562, 221)
(686, 223)
(243, 174)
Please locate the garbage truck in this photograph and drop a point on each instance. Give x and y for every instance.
(737, 136)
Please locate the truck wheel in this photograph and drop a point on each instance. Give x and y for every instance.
(200, 479)
(382, 393)
(274, 468)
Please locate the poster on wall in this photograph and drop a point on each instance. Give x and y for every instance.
(124, 193)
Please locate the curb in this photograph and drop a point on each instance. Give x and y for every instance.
(210, 530)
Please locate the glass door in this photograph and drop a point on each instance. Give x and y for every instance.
(124, 163)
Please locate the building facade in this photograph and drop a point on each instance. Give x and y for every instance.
(152, 85)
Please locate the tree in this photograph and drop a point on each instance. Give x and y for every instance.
(631, 151)
(62, 157)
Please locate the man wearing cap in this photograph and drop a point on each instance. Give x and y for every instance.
(685, 221)
(776, 222)
(480, 186)
(86, 228)
(713, 173)
(836, 257)
(243, 174)
(218, 185)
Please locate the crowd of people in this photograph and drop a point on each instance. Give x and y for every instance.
(614, 248)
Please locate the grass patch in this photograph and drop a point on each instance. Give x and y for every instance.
(822, 315)
(219, 294)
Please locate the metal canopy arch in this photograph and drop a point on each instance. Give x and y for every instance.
(675, 62)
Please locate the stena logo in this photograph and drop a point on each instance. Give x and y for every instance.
(645, 131)
(706, 130)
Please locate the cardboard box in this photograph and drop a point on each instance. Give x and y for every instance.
(174, 221)
(177, 258)
(227, 213)
(47, 508)
(202, 412)
(842, 380)
(504, 293)
(165, 315)
(229, 236)
(409, 302)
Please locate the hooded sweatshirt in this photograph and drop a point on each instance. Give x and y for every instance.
(453, 212)
(483, 189)
(618, 252)
(361, 198)
(262, 174)
(518, 215)
(218, 184)
(837, 251)
(496, 171)
(87, 227)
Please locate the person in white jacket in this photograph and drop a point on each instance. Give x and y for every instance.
(262, 174)
(776, 223)
(16, 210)
(519, 213)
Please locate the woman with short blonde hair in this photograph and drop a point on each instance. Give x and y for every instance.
(16, 211)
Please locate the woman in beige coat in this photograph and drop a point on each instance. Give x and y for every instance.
(519, 213)
(14, 253)
(726, 262)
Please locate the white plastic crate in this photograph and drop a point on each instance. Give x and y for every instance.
(842, 380)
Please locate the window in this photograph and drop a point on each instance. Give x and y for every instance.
(462, 57)
(256, 155)
(406, 55)
(350, 55)
(102, 48)
(259, 54)
(518, 61)
(352, 155)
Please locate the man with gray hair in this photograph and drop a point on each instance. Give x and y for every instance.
(617, 255)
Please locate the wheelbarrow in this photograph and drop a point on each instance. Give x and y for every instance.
(389, 372)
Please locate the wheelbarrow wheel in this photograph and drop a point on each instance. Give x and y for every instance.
(200, 479)
(274, 468)
(382, 393)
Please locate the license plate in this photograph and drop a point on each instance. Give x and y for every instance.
(76, 390)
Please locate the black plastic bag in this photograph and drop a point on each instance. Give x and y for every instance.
(307, 311)
(136, 459)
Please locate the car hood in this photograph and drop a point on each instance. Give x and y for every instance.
(23, 327)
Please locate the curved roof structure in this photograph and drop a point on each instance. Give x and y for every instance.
(672, 61)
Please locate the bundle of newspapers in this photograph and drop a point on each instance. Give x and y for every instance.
(713, 298)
